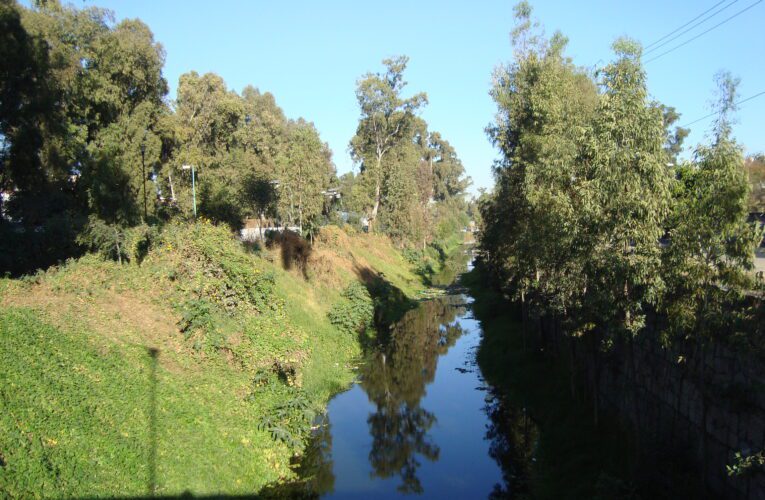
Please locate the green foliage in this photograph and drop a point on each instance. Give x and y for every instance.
(104, 238)
(140, 240)
(197, 315)
(89, 136)
(77, 418)
(403, 167)
(747, 464)
(251, 160)
(59, 430)
(755, 167)
(354, 313)
(711, 254)
(220, 271)
(589, 226)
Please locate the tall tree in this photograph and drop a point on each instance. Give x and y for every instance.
(386, 119)
(626, 163)
(304, 175)
(711, 253)
(755, 167)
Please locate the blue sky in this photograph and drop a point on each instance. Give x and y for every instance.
(309, 54)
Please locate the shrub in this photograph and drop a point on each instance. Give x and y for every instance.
(221, 271)
(140, 240)
(355, 311)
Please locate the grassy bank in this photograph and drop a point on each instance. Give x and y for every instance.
(196, 367)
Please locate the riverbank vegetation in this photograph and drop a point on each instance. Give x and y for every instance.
(148, 377)
(568, 454)
(597, 225)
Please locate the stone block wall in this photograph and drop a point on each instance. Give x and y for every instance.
(664, 399)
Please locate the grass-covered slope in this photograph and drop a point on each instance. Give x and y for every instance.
(194, 368)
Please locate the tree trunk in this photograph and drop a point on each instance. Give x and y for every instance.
(376, 206)
(572, 367)
(172, 190)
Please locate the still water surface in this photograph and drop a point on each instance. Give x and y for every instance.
(420, 420)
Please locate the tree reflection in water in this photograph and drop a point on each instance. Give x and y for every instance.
(394, 379)
(513, 438)
(316, 465)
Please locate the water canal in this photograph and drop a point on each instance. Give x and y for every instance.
(421, 419)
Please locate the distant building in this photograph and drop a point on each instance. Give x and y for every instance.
(258, 229)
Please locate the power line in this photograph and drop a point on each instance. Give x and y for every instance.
(684, 25)
(688, 29)
(703, 32)
(742, 101)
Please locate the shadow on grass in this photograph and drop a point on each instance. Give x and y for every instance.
(153, 359)
(390, 302)
(295, 250)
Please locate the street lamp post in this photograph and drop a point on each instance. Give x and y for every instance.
(193, 187)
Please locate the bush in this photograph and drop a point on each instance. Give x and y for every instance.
(221, 271)
(140, 240)
(104, 238)
(355, 311)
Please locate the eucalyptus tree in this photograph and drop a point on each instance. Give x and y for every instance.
(207, 116)
(625, 162)
(386, 120)
(29, 108)
(755, 167)
(402, 216)
(98, 92)
(544, 106)
(709, 259)
(675, 137)
(446, 169)
(304, 174)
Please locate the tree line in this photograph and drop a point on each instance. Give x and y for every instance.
(594, 219)
(91, 145)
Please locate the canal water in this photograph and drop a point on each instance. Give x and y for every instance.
(420, 420)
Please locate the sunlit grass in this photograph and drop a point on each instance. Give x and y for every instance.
(88, 411)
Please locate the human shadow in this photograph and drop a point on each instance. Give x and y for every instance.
(295, 250)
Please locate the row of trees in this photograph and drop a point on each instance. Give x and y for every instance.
(594, 220)
(91, 145)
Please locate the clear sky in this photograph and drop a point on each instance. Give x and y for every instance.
(309, 54)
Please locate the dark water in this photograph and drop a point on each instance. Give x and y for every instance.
(421, 420)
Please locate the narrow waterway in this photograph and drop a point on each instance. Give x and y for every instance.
(420, 419)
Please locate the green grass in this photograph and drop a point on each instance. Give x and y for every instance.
(85, 410)
(79, 420)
